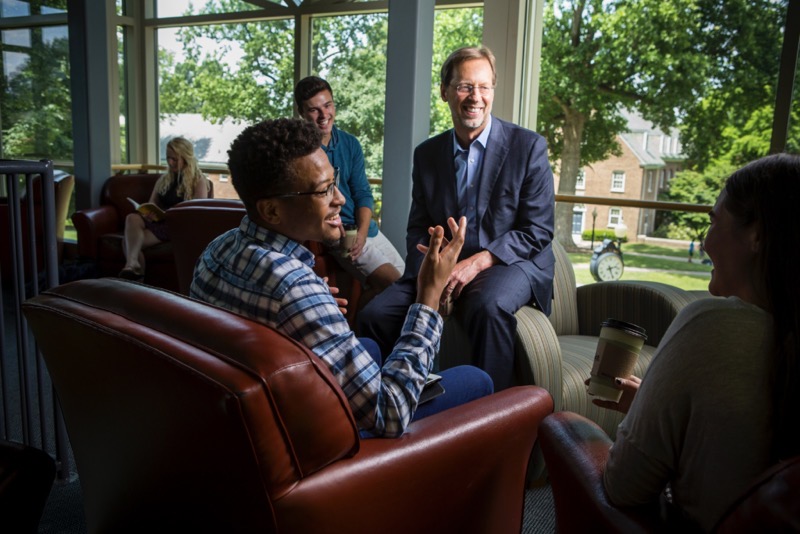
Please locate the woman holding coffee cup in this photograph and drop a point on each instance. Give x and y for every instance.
(720, 400)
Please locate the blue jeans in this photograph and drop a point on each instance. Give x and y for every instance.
(461, 384)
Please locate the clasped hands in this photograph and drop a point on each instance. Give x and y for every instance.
(441, 256)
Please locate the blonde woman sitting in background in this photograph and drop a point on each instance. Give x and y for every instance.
(182, 181)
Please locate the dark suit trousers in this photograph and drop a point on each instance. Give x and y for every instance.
(486, 308)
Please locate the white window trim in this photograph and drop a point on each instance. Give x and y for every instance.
(580, 181)
(620, 189)
(614, 213)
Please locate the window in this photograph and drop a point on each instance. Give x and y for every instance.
(452, 28)
(614, 217)
(581, 180)
(124, 113)
(215, 78)
(350, 53)
(618, 181)
(650, 181)
(35, 85)
(577, 218)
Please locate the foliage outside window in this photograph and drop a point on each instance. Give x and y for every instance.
(452, 29)
(35, 109)
(707, 67)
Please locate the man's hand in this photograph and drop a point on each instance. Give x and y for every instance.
(342, 303)
(629, 387)
(465, 272)
(440, 258)
(358, 245)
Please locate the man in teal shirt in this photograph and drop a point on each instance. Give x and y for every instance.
(372, 258)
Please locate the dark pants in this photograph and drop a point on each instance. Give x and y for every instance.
(486, 308)
(461, 385)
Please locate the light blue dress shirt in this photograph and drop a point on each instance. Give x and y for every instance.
(468, 164)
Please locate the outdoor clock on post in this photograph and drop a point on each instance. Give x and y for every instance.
(606, 266)
(606, 263)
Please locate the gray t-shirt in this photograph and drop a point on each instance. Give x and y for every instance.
(701, 418)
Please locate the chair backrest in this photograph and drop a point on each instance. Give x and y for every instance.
(118, 188)
(181, 414)
(564, 315)
(193, 224)
(771, 504)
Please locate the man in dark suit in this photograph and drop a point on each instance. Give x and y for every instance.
(498, 176)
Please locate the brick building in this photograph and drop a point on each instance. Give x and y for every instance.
(649, 159)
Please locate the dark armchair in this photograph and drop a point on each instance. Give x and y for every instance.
(100, 231)
(183, 416)
(576, 449)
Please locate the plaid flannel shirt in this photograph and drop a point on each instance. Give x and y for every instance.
(269, 278)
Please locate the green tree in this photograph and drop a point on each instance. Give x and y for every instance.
(661, 58)
(258, 86)
(692, 187)
(745, 144)
(349, 51)
(742, 41)
(36, 104)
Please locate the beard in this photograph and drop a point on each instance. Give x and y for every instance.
(333, 243)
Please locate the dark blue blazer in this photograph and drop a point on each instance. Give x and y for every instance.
(516, 202)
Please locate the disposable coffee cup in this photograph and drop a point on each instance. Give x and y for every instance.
(350, 232)
(617, 351)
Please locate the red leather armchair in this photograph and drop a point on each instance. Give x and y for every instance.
(576, 449)
(100, 231)
(63, 184)
(183, 416)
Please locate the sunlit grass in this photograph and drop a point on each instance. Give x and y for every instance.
(678, 273)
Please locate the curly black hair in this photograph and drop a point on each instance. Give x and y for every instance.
(260, 158)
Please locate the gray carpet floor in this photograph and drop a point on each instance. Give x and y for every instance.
(64, 511)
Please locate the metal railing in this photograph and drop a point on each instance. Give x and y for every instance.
(30, 411)
(634, 203)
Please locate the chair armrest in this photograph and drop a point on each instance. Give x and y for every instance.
(538, 353)
(92, 223)
(575, 452)
(462, 470)
(651, 305)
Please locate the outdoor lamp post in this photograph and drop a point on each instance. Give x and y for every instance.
(594, 219)
(621, 231)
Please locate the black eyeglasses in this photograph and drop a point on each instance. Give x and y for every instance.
(326, 193)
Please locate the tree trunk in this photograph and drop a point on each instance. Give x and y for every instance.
(574, 124)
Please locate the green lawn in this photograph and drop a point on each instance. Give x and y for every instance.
(679, 272)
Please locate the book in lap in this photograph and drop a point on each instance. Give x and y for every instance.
(149, 210)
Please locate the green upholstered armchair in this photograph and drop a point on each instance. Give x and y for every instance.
(557, 352)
